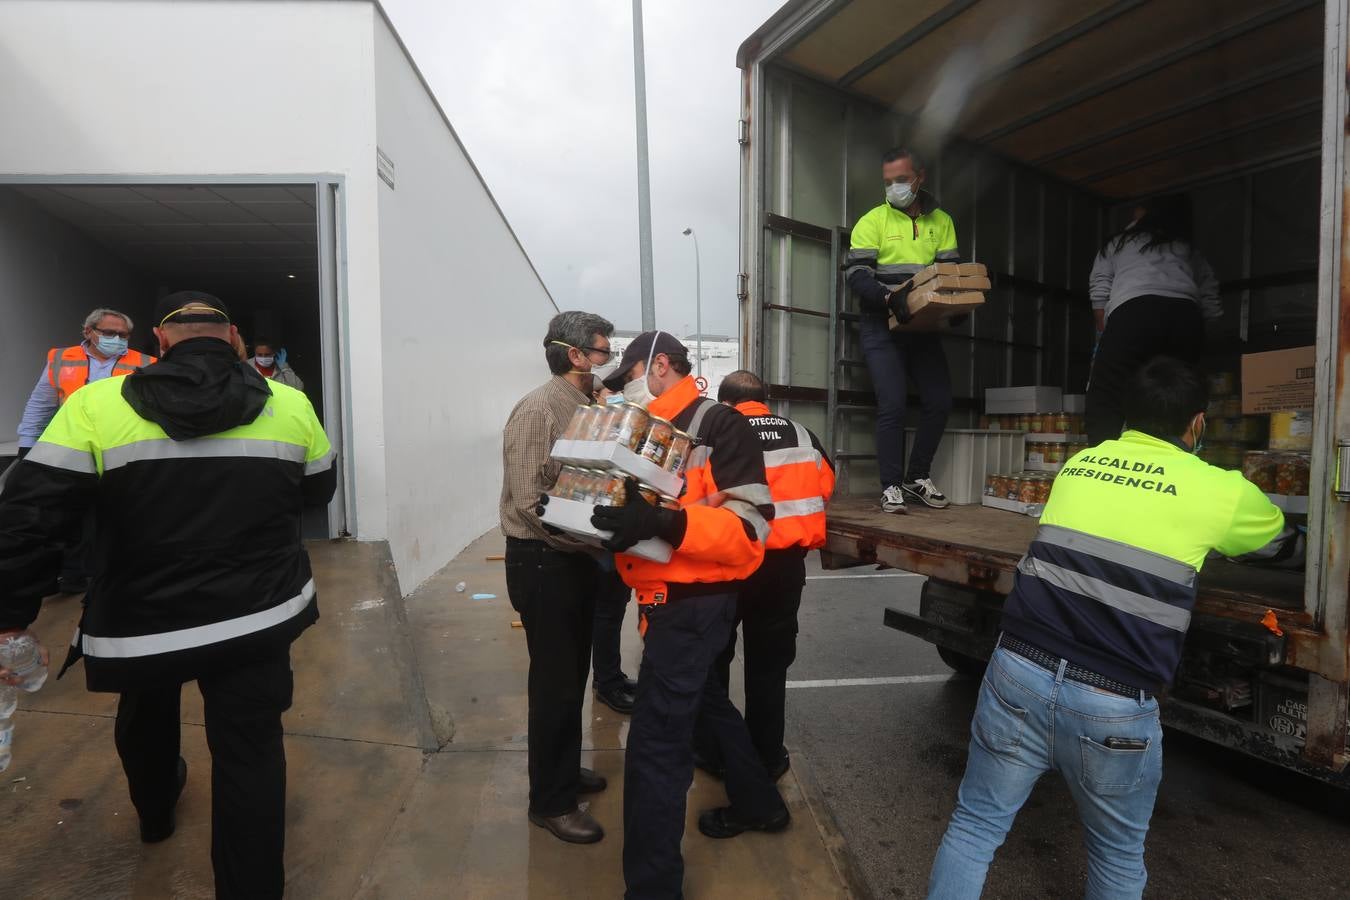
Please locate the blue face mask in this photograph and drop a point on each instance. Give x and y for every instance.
(111, 346)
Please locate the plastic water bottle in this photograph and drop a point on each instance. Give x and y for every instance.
(20, 654)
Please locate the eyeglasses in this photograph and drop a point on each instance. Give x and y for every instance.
(605, 351)
(111, 332)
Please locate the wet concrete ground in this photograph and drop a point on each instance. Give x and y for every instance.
(406, 767)
(888, 759)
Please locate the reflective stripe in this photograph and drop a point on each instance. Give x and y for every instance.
(59, 457)
(696, 423)
(699, 457)
(789, 455)
(201, 448)
(757, 494)
(750, 514)
(803, 436)
(857, 254)
(851, 269)
(321, 464)
(811, 505)
(899, 268)
(1146, 608)
(1155, 564)
(943, 255)
(187, 638)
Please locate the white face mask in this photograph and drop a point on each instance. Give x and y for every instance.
(637, 391)
(900, 194)
(265, 361)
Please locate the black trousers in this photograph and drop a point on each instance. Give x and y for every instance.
(611, 602)
(554, 592)
(766, 611)
(248, 767)
(676, 685)
(895, 360)
(1136, 332)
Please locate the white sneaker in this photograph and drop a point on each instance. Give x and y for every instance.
(926, 492)
(893, 500)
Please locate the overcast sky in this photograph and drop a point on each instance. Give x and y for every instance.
(541, 94)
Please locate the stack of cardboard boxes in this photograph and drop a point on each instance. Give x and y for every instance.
(941, 291)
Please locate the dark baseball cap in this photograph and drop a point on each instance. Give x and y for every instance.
(184, 307)
(649, 343)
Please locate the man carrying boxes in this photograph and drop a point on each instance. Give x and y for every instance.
(890, 245)
(688, 612)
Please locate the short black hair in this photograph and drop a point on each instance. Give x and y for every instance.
(1165, 395)
(741, 386)
(680, 364)
(908, 153)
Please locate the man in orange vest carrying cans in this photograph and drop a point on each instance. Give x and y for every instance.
(801, 481)
(102, 353)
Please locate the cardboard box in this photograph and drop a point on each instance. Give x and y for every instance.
(930, 311)
(952, 270)
(1278, 380)
(1030, 399)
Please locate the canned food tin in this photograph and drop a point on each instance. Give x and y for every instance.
(1036, 423)
(1258, 467)
(1054, 453)
(626, 424)
(1012, 487)
(610, 489)
(574, 424)
(567, 477)
(1028, 490)
(991, 486)
(1023, 422)
(668, 503)
(1043, 487)
(681, 444)
(985, 423)
(583, 486)
(595, 423)
(650, 494)
(656, 444)
(1063, 422)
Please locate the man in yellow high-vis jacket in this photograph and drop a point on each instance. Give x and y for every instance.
(1094, 627)
(890, 243)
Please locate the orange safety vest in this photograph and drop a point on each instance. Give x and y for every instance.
(716, 547)
(800, 480)
(68, 368)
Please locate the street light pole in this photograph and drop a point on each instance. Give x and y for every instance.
(644, 178)
(698, 303)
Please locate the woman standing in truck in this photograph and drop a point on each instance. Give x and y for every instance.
(1151, 292)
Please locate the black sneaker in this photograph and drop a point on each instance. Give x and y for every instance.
(923, 490)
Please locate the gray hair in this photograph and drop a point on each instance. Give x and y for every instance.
(97, 315)
(571, 329)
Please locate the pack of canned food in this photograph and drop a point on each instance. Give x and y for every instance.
(626, 437)
(604, 487)
(1023, 487)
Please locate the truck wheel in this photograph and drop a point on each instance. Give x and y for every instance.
(961, 663)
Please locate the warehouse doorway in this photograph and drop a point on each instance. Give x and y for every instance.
(268, 249)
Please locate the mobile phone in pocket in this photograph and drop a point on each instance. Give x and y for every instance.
(1119, 743)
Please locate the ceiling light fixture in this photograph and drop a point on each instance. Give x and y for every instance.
(290, 276)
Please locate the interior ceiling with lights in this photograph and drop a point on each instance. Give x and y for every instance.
(1122, 97)
(240, 242)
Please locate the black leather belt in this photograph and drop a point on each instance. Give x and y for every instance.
(1050, 661)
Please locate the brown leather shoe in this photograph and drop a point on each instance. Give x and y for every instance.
(575, 827)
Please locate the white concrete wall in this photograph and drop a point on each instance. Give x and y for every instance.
(51, 276)
(201, 88)
(463, 320)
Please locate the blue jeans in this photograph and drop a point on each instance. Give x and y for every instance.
(895, 360)
(1029, 720)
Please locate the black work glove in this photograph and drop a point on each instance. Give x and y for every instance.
(23, 451)
(539, 511)
(638, 520)
(898, 302)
